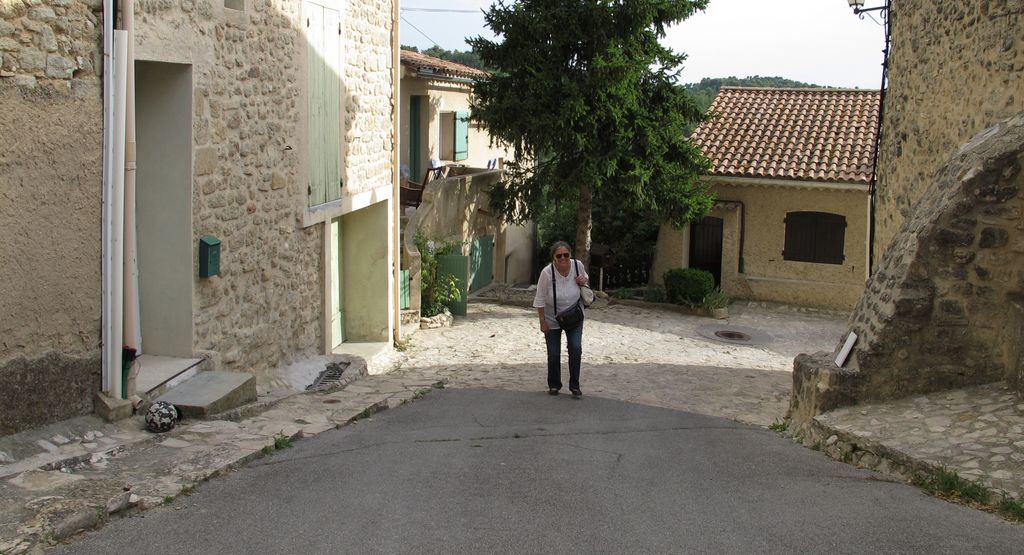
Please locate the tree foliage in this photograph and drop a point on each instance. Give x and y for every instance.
(589, 101)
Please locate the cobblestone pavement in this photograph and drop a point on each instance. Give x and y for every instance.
(978, 432)
(650, 356)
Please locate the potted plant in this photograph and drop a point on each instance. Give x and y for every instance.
(717, 303)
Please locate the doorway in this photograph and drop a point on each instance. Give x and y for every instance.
(163, 204)
(706, 246)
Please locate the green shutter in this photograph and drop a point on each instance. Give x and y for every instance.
(405, 295)
(461, 136)
(481, 262)
(323, 63)
(415, 142)
(332, 103)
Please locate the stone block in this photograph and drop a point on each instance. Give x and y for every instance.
(210, 393)
(993, 237)
(111, 409)
(206, 160)
(59, 67)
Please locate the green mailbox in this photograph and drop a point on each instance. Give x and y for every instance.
(209, 256)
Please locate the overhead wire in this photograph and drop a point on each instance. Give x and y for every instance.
(439, 10)
(420, 31)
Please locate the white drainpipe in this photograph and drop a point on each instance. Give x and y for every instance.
(132, 329)
(113, 228)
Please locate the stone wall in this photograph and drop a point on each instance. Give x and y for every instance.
(368, 78)
(249, 162)
(52, 43)
(50, 201)
(955, 69)
(945, 308)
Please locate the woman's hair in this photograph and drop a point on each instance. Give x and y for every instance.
(560, 245)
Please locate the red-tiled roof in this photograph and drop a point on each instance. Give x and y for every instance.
(798, 134)
(420, 61)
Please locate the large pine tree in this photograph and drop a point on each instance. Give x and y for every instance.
(588, 98)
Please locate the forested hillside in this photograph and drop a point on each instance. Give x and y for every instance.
(708, 88)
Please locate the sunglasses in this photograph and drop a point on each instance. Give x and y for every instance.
(562, 255)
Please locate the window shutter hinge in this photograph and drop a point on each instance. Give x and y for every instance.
(339, 28)
(307, 22)
(309, 190)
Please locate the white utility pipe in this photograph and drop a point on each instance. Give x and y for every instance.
(132, 326)
(394, 219)
(117, 220)
(108, 190)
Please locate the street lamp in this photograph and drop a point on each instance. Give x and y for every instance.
(860, 10)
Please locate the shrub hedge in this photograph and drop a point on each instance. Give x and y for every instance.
(688, 285)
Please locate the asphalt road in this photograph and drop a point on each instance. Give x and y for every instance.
(486, 471)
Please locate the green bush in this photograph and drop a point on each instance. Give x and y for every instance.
(716, 299)
(688, 285)
(437, 290)
(654, 295)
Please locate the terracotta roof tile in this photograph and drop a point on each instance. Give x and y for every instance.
(419, 61)
(798, 134)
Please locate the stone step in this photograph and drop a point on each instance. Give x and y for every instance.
(210, 393)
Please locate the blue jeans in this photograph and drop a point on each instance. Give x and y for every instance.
(574, 338)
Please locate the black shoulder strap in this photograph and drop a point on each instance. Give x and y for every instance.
(554, 292)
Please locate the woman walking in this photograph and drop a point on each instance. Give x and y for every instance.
(558, 289)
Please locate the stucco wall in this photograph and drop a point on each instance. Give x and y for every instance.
(50, 202)
(955, 69)
(250, 162)
(365, 278)
(444, 97)
(766, 275)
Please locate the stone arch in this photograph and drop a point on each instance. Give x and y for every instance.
(945, 308)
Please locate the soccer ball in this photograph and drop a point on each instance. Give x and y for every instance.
(161, 417)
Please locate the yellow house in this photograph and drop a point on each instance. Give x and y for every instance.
(435, 125)
(791, 174)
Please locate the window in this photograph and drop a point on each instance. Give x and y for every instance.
(454, 136)
(815, 237)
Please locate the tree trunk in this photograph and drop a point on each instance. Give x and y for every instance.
(584, 222)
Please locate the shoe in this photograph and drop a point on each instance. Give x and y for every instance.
(576, 394)
(552, 391)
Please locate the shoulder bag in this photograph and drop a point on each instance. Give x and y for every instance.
(586, 293)
(572, 317)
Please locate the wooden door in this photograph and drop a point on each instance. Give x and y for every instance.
(481, 262)
(706, 246)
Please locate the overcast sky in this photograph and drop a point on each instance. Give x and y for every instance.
(815, 41)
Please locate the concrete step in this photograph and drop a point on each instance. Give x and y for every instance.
(210, 393)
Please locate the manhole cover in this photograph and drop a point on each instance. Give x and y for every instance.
(331, 401)
(734, 334)
(730, 335)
